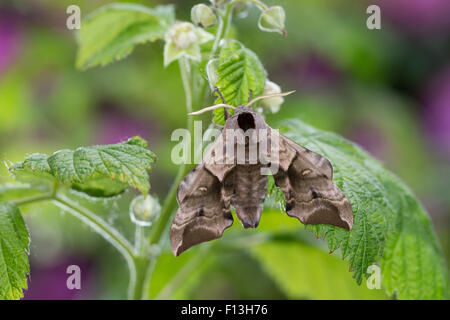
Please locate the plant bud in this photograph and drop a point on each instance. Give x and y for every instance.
(144, 210)
(273, 20)
(183, 35)
(274, 103)
(203, 16)
(184, 39)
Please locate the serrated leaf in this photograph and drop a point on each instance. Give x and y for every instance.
(100, 186)
(111, 32)
(390, 226)
(14, 249)
(305, 272)
(124, 163)
(238, 72)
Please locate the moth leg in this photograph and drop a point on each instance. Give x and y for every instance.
(227, 114)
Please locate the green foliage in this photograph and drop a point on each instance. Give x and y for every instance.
(100, 186)
(391, 228)
(305, 272)
(390, 224)
(91, 169)
(174, 277)
(239, 71)
(111, 32)
(14, 248)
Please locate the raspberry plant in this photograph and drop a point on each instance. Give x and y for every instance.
(391, 228)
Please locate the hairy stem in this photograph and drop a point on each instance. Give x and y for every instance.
(97, 223)
(224, 24)
(170, 201)
(36, 198)
(137, 291)
(137, 261)
(109, 234)
(140, 245)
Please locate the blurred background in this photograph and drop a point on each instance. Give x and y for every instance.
(388, 90)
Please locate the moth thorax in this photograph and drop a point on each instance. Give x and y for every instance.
(246, 121)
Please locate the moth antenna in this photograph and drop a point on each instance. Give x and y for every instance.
(269, 96)
(214, 107)
(250, 97)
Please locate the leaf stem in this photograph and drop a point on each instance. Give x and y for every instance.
(97, 223)
(224, 23)
(137, 289)
(170, 201)
(135, 263)
(140, 244)
(31, 199)
(136, 258)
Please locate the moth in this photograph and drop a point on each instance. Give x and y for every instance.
(222, 180)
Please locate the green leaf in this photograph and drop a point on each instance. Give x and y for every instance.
(100, 186)
(14, 249)
(111, 32)
(305, 272)
(390, 226)
(239, 71)
(85, 169)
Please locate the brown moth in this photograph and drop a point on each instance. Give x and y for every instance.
(206, 194)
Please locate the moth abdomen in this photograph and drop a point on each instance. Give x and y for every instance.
(249, 193)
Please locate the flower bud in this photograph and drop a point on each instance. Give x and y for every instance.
(273, 20)
(184, 39)
(274, 103)
(144, 210)
(182, 35)
(203, 16)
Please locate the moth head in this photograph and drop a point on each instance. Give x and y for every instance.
(245, 119)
